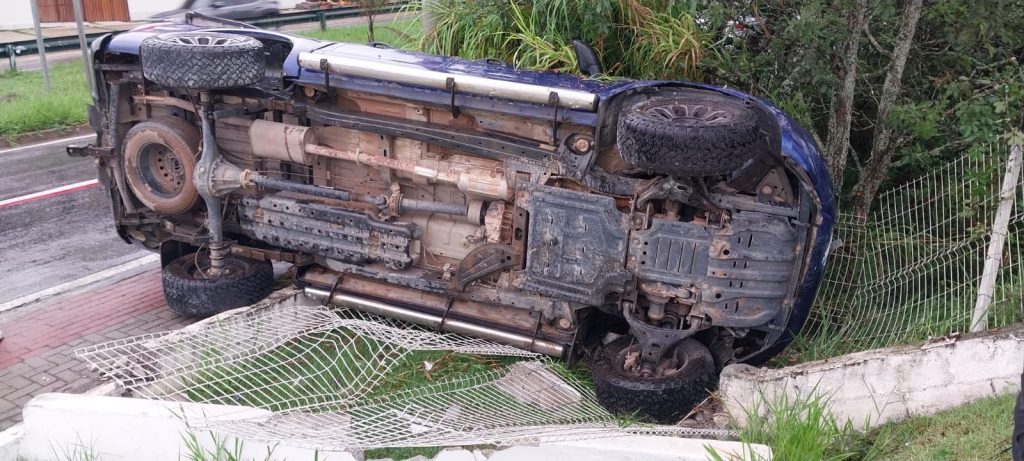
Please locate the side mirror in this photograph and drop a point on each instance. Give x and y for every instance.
(586, 57)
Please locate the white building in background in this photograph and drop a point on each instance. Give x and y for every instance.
(141, 10)
(18, 13)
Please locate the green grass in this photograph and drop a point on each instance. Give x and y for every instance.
(802, 429)
(797, 429)
(400, 33)
(979, 431)
(25, 106)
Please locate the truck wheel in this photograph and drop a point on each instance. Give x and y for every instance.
(675, 388)
(689, 133)
(159, 160)
(189, 290)
(202, 60)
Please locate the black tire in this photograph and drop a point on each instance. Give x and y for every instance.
(190, 293)
(203, 60)
(689, 134)
(664, 399)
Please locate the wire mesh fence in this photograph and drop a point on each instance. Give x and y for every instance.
(912, 269)
(338, 379)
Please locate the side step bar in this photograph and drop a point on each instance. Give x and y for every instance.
(462, 83)
(437, 322)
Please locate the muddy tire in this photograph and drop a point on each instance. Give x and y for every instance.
(202, 60)
(159, 161)
(664, 399)
(191, 293)
(689, 134)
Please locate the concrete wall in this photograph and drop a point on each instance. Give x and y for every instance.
(67, 426)
(116, 428)
(882, 385)
(17, 15)
(143, 9)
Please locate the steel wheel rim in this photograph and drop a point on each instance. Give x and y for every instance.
(621, 357)
(690, 114)
(161, 170)
(205, 40)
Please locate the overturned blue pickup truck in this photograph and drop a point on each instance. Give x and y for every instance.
(659, 230)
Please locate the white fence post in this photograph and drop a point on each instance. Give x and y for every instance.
(994, 257)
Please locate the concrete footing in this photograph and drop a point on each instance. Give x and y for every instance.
(873, 387)
(69, 426)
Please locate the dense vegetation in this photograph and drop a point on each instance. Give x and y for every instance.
(890, 89)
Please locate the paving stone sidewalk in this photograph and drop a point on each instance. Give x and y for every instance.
(37, 352)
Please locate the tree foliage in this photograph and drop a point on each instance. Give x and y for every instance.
(961, 90)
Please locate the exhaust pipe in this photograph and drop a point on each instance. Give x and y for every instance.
(437, 322)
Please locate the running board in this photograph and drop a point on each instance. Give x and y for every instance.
(461, 83)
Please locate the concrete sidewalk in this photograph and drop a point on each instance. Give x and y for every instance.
(37, 353)
(65, 29)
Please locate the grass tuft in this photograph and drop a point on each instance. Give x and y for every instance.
(800, 428)
(25, 106)
(978, 431)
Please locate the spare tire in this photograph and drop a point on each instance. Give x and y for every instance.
(203, 60)
(689, 133)
(159, 161)
(191, 290)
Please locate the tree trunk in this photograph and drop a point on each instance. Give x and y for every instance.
(881, 146)
(427, 17)
(837, 141)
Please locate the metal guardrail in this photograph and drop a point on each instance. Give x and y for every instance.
(322, 16)
(11, 50)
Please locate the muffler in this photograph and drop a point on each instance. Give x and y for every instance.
(437, 322)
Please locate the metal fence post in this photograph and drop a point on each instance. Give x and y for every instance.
(12, 59)
(322, 17)
(84, 44)
(40, 44)
(994, 256)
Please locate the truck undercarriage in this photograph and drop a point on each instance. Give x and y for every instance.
(543, 217)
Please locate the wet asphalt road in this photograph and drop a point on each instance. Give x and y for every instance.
(56, 239)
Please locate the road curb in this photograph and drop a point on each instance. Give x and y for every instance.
(108, 275)
(45, 136)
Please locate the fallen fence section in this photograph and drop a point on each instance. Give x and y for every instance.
(326, 378)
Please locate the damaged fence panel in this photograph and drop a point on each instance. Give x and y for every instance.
(327, 375)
